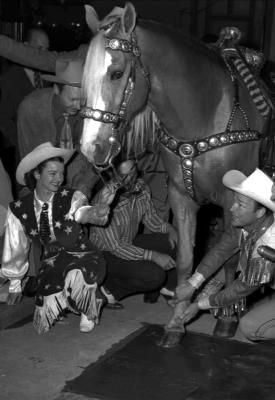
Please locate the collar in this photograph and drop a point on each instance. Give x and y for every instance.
(260, 228)
(39, 203)
(57, 107)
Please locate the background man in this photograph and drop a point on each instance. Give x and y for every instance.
(52, 114)
(137, 263)
(16, 83)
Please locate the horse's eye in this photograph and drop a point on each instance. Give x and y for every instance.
(116, 75)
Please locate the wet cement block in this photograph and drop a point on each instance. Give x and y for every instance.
(202, 367)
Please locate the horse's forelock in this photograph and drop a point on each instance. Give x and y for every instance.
(94, 70)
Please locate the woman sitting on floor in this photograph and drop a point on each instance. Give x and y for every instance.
(72, 268)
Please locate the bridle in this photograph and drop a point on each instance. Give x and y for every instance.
(118, 119)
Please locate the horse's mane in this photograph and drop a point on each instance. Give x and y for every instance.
(142, 133)
(94, 67)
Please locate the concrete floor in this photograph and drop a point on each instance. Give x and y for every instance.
(37, 367)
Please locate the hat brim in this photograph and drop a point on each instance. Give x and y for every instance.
(37, 156)
(54, 79)
(257, 186)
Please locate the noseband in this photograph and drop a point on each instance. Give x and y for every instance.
(118, 119)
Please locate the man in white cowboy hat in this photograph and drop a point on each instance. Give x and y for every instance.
(52, 114)
(71, 268)
(253, 212)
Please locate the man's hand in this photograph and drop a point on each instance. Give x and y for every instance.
(172, 236)
(190, 313)
(106, 194)
(14, 298)
(163, 260)
(184, 291)
(97, 214)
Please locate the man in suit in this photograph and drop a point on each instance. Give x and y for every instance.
(15, 84)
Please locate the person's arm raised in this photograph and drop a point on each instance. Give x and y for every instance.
(28, 56)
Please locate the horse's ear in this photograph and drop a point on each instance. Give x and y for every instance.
(129, 18)
(91, 18)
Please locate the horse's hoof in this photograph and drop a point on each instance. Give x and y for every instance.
(170, 339)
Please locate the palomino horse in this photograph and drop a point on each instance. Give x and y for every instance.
(209, 123)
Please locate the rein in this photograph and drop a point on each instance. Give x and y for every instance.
(116, 119)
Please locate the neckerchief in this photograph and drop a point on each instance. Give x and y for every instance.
(248, 242)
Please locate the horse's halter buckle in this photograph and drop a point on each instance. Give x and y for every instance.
(108, 117)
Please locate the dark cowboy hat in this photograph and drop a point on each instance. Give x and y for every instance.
(67, 72)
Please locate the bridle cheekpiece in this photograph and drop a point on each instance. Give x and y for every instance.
(108, 117)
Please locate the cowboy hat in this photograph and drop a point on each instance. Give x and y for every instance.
(41, 153)
(256, 186)
(67, 72)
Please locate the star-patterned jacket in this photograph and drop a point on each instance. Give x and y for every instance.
(22, 227)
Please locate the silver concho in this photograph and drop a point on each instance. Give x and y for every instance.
(114, 44)
(241, 136)
(213, 141)
(202, 146)
(107, 117)
(223, 138)
(164, 139)
(125, 46)
(186, 150)
(187, 163)
(112, 139)
(97, 115)
(172, 144)
(188, 183)
(187, 173)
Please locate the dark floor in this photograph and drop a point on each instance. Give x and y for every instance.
(37, 367)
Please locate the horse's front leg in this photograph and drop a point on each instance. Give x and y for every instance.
(185, 215)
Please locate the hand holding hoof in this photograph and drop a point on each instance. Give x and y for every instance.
(170, 339)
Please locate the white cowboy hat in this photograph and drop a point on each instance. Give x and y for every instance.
(67, 72)
(256, 186)
(41, 153)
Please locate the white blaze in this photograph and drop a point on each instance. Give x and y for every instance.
(91, 127)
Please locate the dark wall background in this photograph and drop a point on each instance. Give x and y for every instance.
(65, 20)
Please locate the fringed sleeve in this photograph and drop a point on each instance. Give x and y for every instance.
(15, 252)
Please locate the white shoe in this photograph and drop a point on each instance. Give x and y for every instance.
(166, 292)
(85, 324)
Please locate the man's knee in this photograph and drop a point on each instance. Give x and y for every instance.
(248, 328)
(156, 274)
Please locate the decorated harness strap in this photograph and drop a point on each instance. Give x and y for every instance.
(253, 87)
(245, 64)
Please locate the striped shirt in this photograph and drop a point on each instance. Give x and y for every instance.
(117, 236)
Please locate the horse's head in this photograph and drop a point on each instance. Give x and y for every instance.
(115, 83)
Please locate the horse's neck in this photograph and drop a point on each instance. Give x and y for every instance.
(184, 81)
